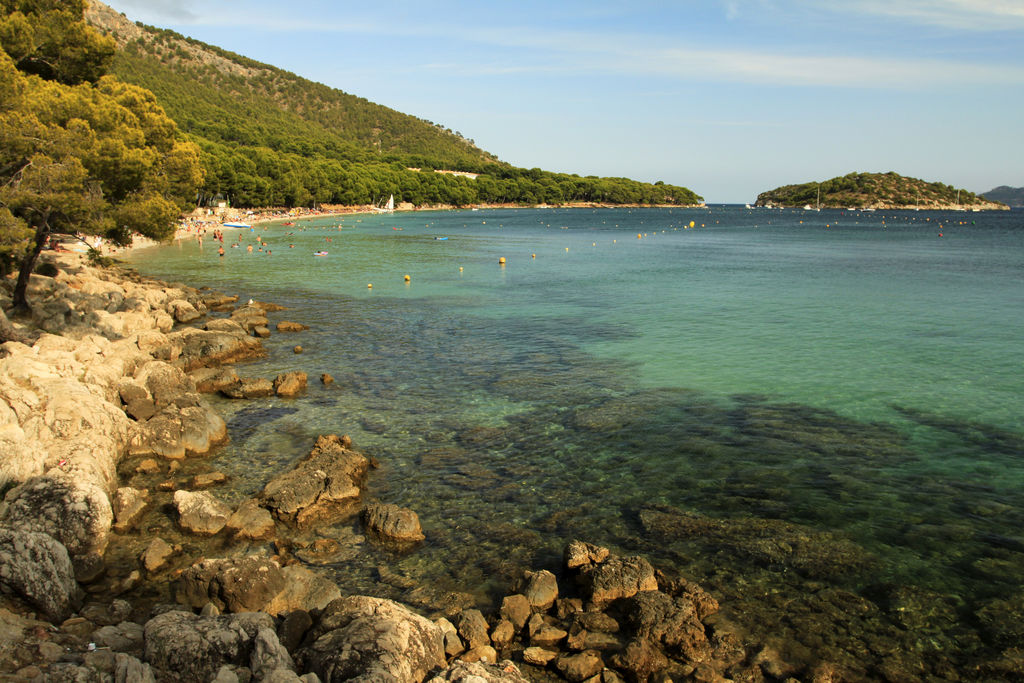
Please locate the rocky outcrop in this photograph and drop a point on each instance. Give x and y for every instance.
(290, 384)
(392, 524)
(36, 568)
(324, 485)
(367, 639)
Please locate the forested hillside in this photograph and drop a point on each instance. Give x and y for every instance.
(874, 190)
(1011, 196)
(271, 138)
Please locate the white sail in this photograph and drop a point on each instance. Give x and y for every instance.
(391, 203)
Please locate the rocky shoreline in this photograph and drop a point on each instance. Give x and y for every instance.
(109, 393)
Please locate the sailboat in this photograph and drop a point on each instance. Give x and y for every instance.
(389, 207)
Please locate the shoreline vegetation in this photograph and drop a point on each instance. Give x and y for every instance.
(120, 563)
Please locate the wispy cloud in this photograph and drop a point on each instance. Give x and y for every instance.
(969, 15)
(176, 11)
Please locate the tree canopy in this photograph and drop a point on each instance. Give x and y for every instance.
(80, 152)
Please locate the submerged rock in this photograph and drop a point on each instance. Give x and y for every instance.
(392, 524)
(324, 485)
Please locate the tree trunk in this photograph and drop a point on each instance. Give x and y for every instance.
(28, 264)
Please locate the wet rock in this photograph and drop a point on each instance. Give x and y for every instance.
(293, 628)
(618, 577)
(641, 659)
(207, 479)
(213, 380)
(290, 384)
(540, 589)
(297, 349)
(213, 347)
(251, 522)
(453, 645)
(187, 647)
(148, 466)
(672, 623)
(367, 639)
(288, 326)
(1003, 619)
(37, 569)
(580, 554)
(126, 637)
(182, 311)
(480, 653)
(155, 557)
(391, 523)
(479, 672)
(249, 387)
(580, 667)
(473, 628)
(326, 378)
(129, 669)
(200, 513)
(326, 484)
(516, 608)
(538, 656)
(303, 589)
(250, 317)
(245, 584)
(503, 633)
(128, 505)
(261, 331)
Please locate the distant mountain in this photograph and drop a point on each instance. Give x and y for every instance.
(1011, 196)
(875, 191)
(272, 138)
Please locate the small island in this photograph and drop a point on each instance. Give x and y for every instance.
(876, 191)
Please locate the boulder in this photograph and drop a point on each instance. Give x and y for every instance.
(516, 608)
(244, 584)
(250, 387)
(303, 590)
(212, 380)
(541, 589)
(290, 384)
(206, 348)
(670, 623)
(37, 569)
(251, 522)
(250, 317)
(200, 513)
(618, 577)
(580, 554)
(288, 326)
(175, 432)
(128, 505)
(579, 667)
(366, 639)
(75, 513)
(538, 656)
(391, 523)
(155, 557)
(188, 647)
(183, 311)
(472, 628)
(325, 484)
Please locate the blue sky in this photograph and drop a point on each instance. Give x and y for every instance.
(729, 98)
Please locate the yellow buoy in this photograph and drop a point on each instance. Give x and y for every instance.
(567, 248)
(691, 224)
(460, 269)
(407, 278)
(639, 236)
(501, 260)
(533, 256)
(369, 286)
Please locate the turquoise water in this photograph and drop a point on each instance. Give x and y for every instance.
(834, 397)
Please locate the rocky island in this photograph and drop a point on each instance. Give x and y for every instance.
(876, 191)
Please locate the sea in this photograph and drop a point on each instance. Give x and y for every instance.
(818, 416)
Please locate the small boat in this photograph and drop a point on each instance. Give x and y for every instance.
(386, 208)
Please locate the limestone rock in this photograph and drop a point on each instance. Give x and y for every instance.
(516, 608)
(503, 633)
(540, 589)
(232, 584)
(479, 672)
(579, 554)
(128, 505)
(213, 347)
(580, 667)
(37, 569)
(473, 628)
(75, 513)
(261, 331)
(183, 311)
(290, 384)
(268, 655)
(618, 577)
(249, 387)
(187, 647)
(538, 656)
(288, 326)
(155, 557)
(212, 380)
(252, 522)
(326, 378)
(323, 485)
(303, 590)
(128, 669)
(250, 317)
(207, 479)
(370, 639)
(200, 513)
(392, 523)
(177, 432)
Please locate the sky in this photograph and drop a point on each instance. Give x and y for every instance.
(727, 97)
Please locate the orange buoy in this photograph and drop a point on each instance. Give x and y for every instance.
(501, 260)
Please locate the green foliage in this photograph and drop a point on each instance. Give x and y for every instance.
(79, 152)
(271, 138)
(870, 190)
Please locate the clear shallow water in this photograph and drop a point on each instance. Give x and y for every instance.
(848, 374)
